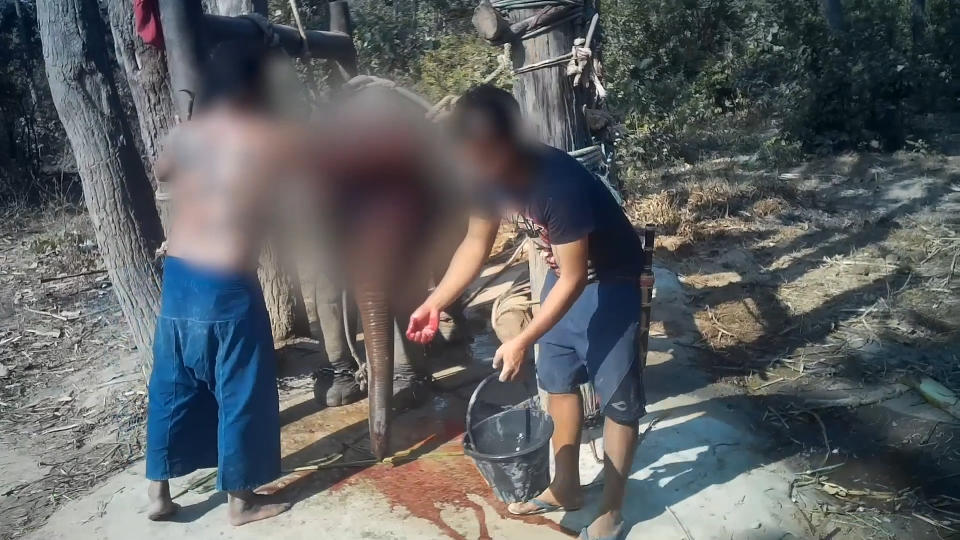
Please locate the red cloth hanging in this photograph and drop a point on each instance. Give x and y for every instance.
(146, 15)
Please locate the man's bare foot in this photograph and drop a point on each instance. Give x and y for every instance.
(246, 506)
(608, 526)
(161, 505)
(562, 497)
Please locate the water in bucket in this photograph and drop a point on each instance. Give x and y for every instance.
(511, 449)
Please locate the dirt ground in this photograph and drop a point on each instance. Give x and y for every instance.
(825, 292)
(72, 394)
(812, 299)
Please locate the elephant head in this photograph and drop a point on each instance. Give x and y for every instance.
(389, 199)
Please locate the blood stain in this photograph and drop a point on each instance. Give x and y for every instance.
(425, 485)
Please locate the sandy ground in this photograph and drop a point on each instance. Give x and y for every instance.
(836, 280)
(701, 472)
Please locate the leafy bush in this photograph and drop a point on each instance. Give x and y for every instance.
(685, 75)
(456, 64)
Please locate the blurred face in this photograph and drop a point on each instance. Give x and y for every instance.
(490, 160)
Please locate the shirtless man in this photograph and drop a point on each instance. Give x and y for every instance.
(213, 397)
(238, 170)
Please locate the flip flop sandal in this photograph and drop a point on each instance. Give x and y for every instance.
(617, 534)
(541, 508)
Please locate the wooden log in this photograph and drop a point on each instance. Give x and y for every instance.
(320, 44)
(493, 27)
(549, 102)
(489, 23)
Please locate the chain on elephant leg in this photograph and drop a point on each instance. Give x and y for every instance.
(343, 382)
(412, 378)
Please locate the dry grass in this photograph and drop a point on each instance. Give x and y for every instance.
(902, 287)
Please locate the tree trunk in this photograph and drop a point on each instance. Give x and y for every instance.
(283, 297)
(549, 102)
(833, 12)
(918, 22)
(26, 51)
(145, 68)
(115, 185)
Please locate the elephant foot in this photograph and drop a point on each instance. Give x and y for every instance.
(337, 389)
(410, 391)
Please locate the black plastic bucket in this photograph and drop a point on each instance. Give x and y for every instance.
(511, 449)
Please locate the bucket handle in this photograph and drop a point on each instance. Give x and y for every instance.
(473, 400)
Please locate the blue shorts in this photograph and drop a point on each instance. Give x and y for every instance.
(597, 341)
(213, 393)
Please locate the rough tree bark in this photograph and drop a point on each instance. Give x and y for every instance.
(548, 101)
(115, 186)
(145, 68)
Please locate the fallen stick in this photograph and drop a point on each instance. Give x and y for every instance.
(686, 532)
(771, 383)
(61, 428)
(47, 313)
(80, 274)
(823, 432)
(819, 470)
(199, 481)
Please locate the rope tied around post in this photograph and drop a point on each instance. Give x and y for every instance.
(508, 5)
(270, 38)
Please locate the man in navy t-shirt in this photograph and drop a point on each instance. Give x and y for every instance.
(587, 324)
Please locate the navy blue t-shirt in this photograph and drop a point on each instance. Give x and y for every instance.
(567, 202)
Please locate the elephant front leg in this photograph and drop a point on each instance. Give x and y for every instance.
(412, 375)
(338, 384)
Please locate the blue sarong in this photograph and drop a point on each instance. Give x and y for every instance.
(213, 395)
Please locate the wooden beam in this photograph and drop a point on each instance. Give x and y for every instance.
(334, 45)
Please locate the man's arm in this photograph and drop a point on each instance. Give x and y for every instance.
(464, 267)
(572, 259)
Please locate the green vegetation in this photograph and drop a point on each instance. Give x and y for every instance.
(689, 79)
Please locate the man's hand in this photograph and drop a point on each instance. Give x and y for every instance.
(511, 355)
(423, 324)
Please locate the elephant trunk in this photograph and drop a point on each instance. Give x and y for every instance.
(378, 338)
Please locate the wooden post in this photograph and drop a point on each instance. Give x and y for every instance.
(341, 23)
(548, 100)
(185, 50)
